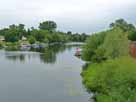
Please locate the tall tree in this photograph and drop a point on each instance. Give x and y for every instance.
(121, 23)
(48, 25)
(21, 30)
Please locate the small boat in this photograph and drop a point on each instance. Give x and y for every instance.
(35, 46)
(78, 52)
(39, 46)
(25, 47)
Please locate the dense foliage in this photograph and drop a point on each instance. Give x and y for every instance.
(132, 36)
(92, 50)
(122, 24)
(108, 44)
(112, 76)
(46, 33)
(48, 25)
(113, 80)
(116, 43)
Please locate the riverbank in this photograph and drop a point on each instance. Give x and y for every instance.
(112, 74)
(112, 81)
(18, 46)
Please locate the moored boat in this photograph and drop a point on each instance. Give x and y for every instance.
(78, 52)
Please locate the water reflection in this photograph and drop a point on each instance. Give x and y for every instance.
(56, 79)
(20, 57)
(47, 55)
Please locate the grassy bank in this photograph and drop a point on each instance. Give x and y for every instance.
(112, 80)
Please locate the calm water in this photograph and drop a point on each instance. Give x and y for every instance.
(34, 77)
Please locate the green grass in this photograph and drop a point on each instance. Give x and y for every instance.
(112, 80)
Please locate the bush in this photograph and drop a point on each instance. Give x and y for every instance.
(110, 44)
(1, 45)
(132, 36)
(32, 40)
(112, 80)
(92, 46)
(12, 46)
(116, 43)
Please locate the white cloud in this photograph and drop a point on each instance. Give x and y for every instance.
(76, 15)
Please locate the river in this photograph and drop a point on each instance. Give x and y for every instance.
(52, 76)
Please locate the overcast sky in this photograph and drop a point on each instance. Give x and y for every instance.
(70, 15)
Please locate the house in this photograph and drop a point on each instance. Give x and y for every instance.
(24, 38)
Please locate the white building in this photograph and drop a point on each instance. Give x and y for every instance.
(24, 38)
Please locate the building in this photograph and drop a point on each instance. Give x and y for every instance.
(24, 38)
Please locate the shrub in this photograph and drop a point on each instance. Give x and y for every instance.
(112, 80)
(32, 40)
(1, 45)
(110, 44)
(116, 43)
(132, 36)
(92, 47)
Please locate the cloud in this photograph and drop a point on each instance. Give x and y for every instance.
(75, 15)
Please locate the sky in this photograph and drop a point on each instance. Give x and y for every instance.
(87, 16)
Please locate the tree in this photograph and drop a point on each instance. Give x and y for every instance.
(32, 40)
(132, 36)
(69, 33)
(48, 25)
(11, 35)
(13, 26)
(116, 44)
(45, 34)
(92, 47)
(3, 31)
(38, 35)
(110, 44)
(28, 32)
(121, 23)
(21, 30)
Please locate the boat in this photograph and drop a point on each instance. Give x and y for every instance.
(78, 52)
(25, 47)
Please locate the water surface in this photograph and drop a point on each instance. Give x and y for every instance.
(35, 77)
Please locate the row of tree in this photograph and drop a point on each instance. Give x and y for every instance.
(112, 43)
(46, 33)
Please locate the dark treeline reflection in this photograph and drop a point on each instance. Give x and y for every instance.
(16, 57)
(47, 55)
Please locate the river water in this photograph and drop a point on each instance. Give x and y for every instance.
(53, 76)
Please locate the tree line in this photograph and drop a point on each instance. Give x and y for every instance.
(45, 33)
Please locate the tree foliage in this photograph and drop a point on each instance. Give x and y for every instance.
(116, 44)
(122, 24)
(46, 34)
(132, 36)
(32, 40)
(112, 43)
(92, 45)
(48, 25)
(113, 80)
